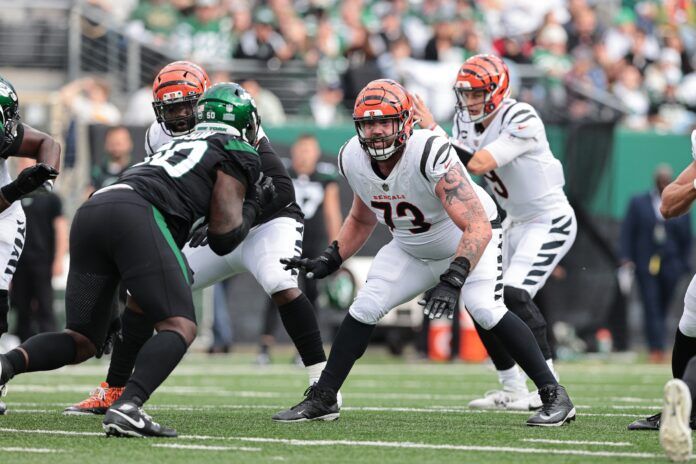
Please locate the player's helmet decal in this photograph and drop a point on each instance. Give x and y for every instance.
(227, 107)
(9, 114)
(384, 100)
(175, 91)
(485, 73)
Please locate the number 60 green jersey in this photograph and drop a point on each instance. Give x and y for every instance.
(178, 179)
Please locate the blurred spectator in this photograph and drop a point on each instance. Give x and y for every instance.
(583, 29)
(325, 107)
(42, 259)
(268, 105)
(139, 111)
(317, 193)
(663, 73)
(205, 36)
(88, 100)
(222, 322)
(658, 251)
(441, 46)
(118, 146)
(631, 93)
(262, 42)
(642, 52)
(155, 20)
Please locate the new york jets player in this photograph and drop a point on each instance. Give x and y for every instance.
(505, 141)
(133, 231)
(445, 234)
(18, 139)
(277, 232)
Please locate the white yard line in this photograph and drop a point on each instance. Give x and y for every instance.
(376, 444)
(576, 442)
(17, 449)
(205, 447)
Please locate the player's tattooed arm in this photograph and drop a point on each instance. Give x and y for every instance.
(466, 211)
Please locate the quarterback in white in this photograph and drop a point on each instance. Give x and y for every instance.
(505, 141)
(445, 235)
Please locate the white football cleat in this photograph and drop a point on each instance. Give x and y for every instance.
(675, 433)
(498, 399)
(530, 402)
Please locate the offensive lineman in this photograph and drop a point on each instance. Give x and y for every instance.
(133, 230)
(18, 139)
(445, 232)
(505, 141)
(277, 232)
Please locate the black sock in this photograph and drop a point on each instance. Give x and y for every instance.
(136, 330)
(684, 349)
(689, 378)
(156, 360)
(349, 345)
(300, 322)
(519, 342)
(496, 350)
(46, 351)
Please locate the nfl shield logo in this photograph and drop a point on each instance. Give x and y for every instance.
(385, 187)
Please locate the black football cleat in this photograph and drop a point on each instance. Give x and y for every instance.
(556, 409)
(128, 420)
(318, 405)
(649, 423)
(653, 423)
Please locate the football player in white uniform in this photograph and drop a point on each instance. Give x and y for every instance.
(17, 139)
(677, 419)
(445, 234)
(505, 141)
(277, 233)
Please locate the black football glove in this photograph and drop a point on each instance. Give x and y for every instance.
(264, 192)
(27, 181)
(199, 235)
(445, 295)
(114, 333)
(316, 268)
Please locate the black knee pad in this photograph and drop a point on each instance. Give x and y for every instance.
(520, 302)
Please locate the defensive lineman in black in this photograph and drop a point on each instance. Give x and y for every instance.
(133, 230)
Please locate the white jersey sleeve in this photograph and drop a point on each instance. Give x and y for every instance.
(693, 144)
(155, 137)
(437, 159)
(521, 131)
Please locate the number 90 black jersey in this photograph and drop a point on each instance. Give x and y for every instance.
(178, 179)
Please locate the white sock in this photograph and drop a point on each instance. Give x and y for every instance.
(549, 362)
(512, 379)
(314, 371)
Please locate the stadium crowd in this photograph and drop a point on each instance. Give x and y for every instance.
(638, 54)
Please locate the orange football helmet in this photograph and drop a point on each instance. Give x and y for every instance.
(486, 73)
(175, 91)
(384, 100)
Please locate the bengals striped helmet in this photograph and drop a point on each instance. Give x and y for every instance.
(484, 75)
(384, 106)
(175, 91)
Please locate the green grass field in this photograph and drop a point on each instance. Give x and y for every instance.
(394, 412)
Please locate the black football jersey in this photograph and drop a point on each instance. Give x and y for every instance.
(178, 179)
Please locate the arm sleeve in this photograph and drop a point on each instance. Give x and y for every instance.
(272, 166)
(519, 135)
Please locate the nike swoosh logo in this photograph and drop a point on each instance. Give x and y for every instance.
(547, 417)
(139, 424)
(299, 413)
(448, 163)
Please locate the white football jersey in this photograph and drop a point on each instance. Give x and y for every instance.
(529, 179)
(405, 201)
(5, 179)
(155, 137)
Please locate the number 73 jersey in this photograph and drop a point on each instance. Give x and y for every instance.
(178, 178)
(405, 201)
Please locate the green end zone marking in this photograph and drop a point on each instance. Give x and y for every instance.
(162, 224)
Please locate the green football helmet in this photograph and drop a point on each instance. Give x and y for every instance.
(9, 113)
(227, 107)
